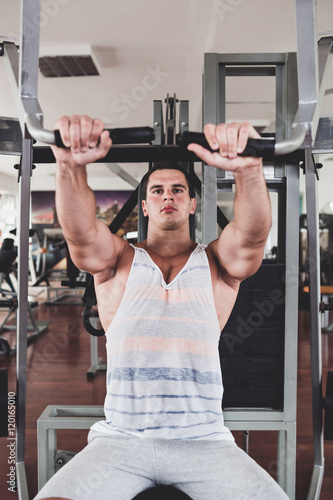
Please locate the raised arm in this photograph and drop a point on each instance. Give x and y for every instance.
(92, 246)
(239, 250)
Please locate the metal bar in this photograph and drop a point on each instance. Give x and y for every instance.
(315, 483)
(290, 195)
(158, 122)
(285, 147)
(183, 116)
(116, 169)
(294, 141)
(129, 154)
(211, 103)
(315, 325)
(22, 314)
(24, 87)
(250, 71)
(125, 211)
(256, 59)
(281, 456)
(11, 60)
(22, 481)
(27, 106)
(308, 113)
(324, 137)
(144, 154)
(312, 68)
(307, 67)
(290, 459)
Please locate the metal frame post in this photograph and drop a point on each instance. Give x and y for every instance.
(312, 68)
(22, 315)
(217, 67)
(211, 99)
(22, 68)
(287, 443)
(315, 325)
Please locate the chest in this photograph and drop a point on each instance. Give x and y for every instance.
(170, 268)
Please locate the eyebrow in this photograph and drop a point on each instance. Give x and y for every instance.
(157, 186)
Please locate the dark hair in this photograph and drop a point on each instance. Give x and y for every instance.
(166, 165)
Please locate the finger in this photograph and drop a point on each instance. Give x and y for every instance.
(86, 126)
(221, 136)
(232, 139)
(63, 126)
(210, 134)
(95, 133)
(105, 144)
(208, 157)
(75, 133)
(245, 131)
(216, 160)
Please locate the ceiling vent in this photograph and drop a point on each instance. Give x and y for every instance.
(58, 62)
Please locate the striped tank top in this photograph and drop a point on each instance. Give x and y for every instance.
(163, 371)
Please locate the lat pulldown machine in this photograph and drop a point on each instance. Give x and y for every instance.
(308, 132)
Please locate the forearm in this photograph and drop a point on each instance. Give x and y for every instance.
(252, 208)
(75, 204)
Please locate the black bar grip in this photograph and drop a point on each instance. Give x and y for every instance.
(261, 148)
(133, 135)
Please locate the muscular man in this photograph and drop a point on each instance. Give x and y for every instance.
(163, 304)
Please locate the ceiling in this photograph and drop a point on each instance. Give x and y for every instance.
(145, 49)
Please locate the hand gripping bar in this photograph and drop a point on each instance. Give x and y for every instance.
(255, 147)
(133, 135)
(265, 148)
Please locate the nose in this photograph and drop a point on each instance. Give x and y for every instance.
(168, 195)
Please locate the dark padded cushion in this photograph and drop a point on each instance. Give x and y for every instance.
(7, 258)
(162, 493)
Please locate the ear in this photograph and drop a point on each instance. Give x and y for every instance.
(193, 205)
(144, 209)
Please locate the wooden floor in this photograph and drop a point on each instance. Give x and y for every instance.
(57, 365)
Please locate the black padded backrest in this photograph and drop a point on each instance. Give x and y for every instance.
(252, 342)
(162, 493)
(7, 255)
(7, 244)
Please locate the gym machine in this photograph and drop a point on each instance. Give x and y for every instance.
(308, 132)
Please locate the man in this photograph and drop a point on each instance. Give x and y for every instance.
(163, 304)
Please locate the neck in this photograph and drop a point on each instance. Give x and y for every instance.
(169, 243)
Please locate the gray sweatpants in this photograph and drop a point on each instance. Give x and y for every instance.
(118, 468)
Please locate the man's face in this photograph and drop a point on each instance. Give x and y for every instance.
(168, 203)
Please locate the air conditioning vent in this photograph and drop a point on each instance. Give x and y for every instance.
(67, 66)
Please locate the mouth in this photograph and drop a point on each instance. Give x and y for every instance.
(168, 209)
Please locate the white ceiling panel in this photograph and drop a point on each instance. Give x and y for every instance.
(147, 48)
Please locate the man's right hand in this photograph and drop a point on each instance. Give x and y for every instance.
(86, 138)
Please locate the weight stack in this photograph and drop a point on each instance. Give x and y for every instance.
(252, 342)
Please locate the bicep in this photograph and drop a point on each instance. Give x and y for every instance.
(235, 259)
(100, 251)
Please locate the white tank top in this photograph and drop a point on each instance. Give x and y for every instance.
(163, 373)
